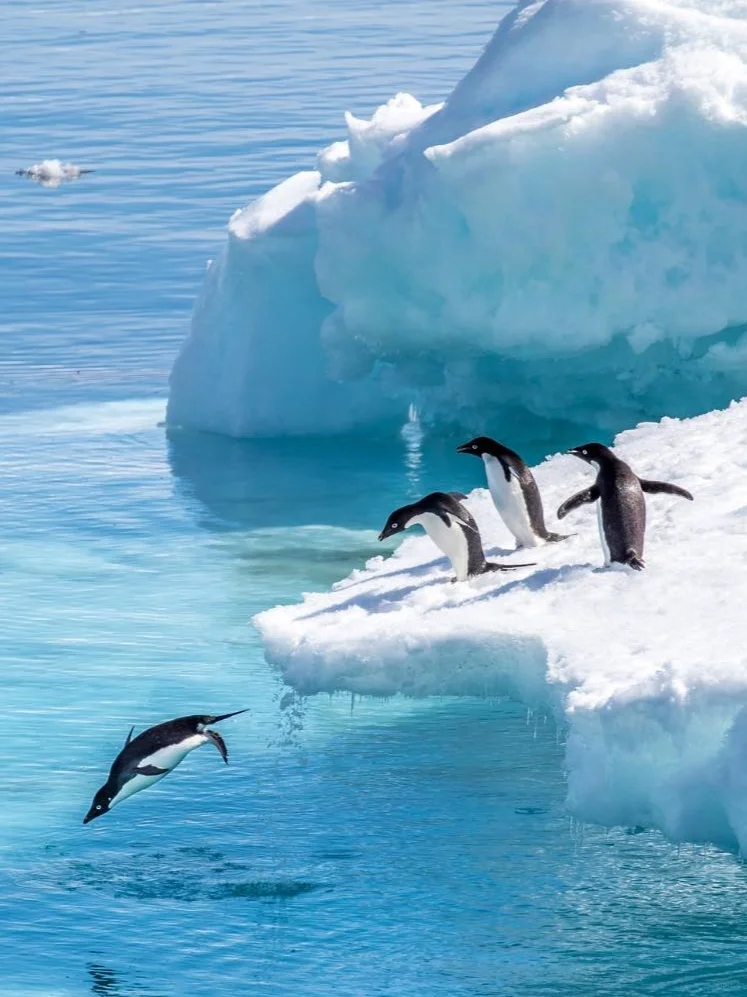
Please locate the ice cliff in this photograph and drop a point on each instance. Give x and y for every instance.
(646, 672)
(565, 235)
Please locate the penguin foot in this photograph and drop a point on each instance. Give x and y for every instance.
(634, 560)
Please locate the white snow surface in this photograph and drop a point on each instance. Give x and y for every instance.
(647, 672)
(564, 236)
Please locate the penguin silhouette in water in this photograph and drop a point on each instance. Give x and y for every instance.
(622, 508)
(514, 492)
(452, 529)
(146, 759)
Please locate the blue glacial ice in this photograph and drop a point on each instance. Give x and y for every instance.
(647, 673)
(565, 236)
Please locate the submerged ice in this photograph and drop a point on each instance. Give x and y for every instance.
(647, 672)
(563, 237)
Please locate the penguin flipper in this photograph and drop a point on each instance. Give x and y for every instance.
(554, 538)
(215, 738)
(150, 770)
(664, 488)
(580, 498)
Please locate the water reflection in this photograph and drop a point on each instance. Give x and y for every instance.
(106, 982)
(350, 482)
(412, 435)
(345, 481)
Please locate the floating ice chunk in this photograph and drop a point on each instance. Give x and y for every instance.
(564, 237)
(649, 670)
(52, 172)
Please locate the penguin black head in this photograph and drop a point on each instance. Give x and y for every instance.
(592, 453)
(397, 522)
(485, 445)
(100, 805)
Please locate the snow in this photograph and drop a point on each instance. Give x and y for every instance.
(647, 672)
(53, 172)
(564, 237)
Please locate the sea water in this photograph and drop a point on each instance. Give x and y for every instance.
(351, 846)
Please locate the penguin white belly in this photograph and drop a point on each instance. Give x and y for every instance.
(602, 537)
(508, 499)
(167, 758)
(173, 754)
(449, 539)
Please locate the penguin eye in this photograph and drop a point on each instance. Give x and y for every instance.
(585, 453)
(395, 525)
(474, 446)
(98, 806)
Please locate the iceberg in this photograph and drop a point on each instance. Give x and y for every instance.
(565, 236)
(645, 672)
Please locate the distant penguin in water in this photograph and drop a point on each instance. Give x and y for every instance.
(146, 759)
(621, 510)
(452, 529)
(514, 492)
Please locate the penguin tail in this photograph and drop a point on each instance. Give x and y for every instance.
(634, 560)
(492, 566)
(555, 538)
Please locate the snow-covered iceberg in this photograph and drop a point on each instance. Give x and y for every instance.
(647, 672)
(566, 235)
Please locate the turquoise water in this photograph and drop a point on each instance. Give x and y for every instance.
(351, 847)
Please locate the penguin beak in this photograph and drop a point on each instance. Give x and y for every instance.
(464, 448)
(575, 452)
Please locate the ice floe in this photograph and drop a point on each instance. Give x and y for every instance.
(646, 671)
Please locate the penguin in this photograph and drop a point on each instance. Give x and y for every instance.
(452, 529)
(621, 510)
(514, 492)
(146, 759)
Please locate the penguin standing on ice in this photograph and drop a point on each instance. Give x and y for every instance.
(452, 529)
(146, 759)
(621, 508)
(514, 492)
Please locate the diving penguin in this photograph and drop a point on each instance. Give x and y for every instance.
(452, 529)
(146, 759)
(514, 492)
(621, 510)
